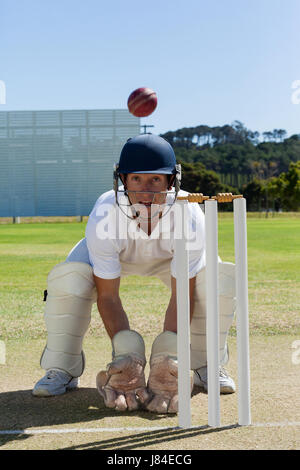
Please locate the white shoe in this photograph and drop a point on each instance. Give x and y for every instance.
(55, 382)
(227, 384)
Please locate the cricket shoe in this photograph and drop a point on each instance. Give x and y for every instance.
(227, 384)
(55, 382)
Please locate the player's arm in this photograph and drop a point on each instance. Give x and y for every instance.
(122, 385)
(170, 323)
(110, 305)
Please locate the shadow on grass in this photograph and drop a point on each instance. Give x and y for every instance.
(20, 411)
(145, 439)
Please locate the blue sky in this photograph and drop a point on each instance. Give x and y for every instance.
(210, 62)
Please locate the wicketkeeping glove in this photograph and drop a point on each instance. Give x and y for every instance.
(163, 378)
(123, 385)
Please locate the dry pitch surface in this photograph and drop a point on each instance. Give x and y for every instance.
(78, 419)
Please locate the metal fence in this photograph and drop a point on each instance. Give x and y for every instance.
(57, 163)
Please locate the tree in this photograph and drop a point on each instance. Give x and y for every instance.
(254, 192)
(269, 136)
(234, 152)
(288, 188)
(196, 179)
(281, 133)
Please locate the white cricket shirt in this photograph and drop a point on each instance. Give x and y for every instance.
(118, 247)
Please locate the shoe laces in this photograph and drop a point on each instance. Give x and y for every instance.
(51, 374)
(203, 373)
(223, 372)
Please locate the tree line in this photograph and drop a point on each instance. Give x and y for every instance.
(231, 158)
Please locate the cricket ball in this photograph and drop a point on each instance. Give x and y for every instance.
(142, 102)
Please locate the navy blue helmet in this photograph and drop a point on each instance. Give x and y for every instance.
(147, 153)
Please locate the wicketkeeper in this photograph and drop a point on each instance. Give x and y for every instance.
(130, 231)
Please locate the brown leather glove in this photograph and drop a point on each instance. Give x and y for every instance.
(163, 378)
(123, 385)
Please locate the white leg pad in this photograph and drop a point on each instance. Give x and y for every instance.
(227, 305)
(71, 294)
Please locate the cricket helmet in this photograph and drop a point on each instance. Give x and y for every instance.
(147, 153)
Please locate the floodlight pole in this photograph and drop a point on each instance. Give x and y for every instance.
(145, 127)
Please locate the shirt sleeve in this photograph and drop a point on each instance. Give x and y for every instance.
(196, 242)
(103, 250)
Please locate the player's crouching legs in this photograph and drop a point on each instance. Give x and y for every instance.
(71, 294)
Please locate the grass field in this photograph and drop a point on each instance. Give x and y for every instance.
(28, 251)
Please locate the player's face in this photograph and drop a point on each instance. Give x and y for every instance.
(144, 187)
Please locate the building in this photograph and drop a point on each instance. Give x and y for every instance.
(57, 163)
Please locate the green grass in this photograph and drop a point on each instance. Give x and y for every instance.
(29, 251)
(273, 247)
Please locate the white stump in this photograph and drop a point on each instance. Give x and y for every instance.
(212, 312)
(243, 358)
(183, 315)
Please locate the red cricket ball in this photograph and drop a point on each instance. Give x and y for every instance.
(142, 102)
